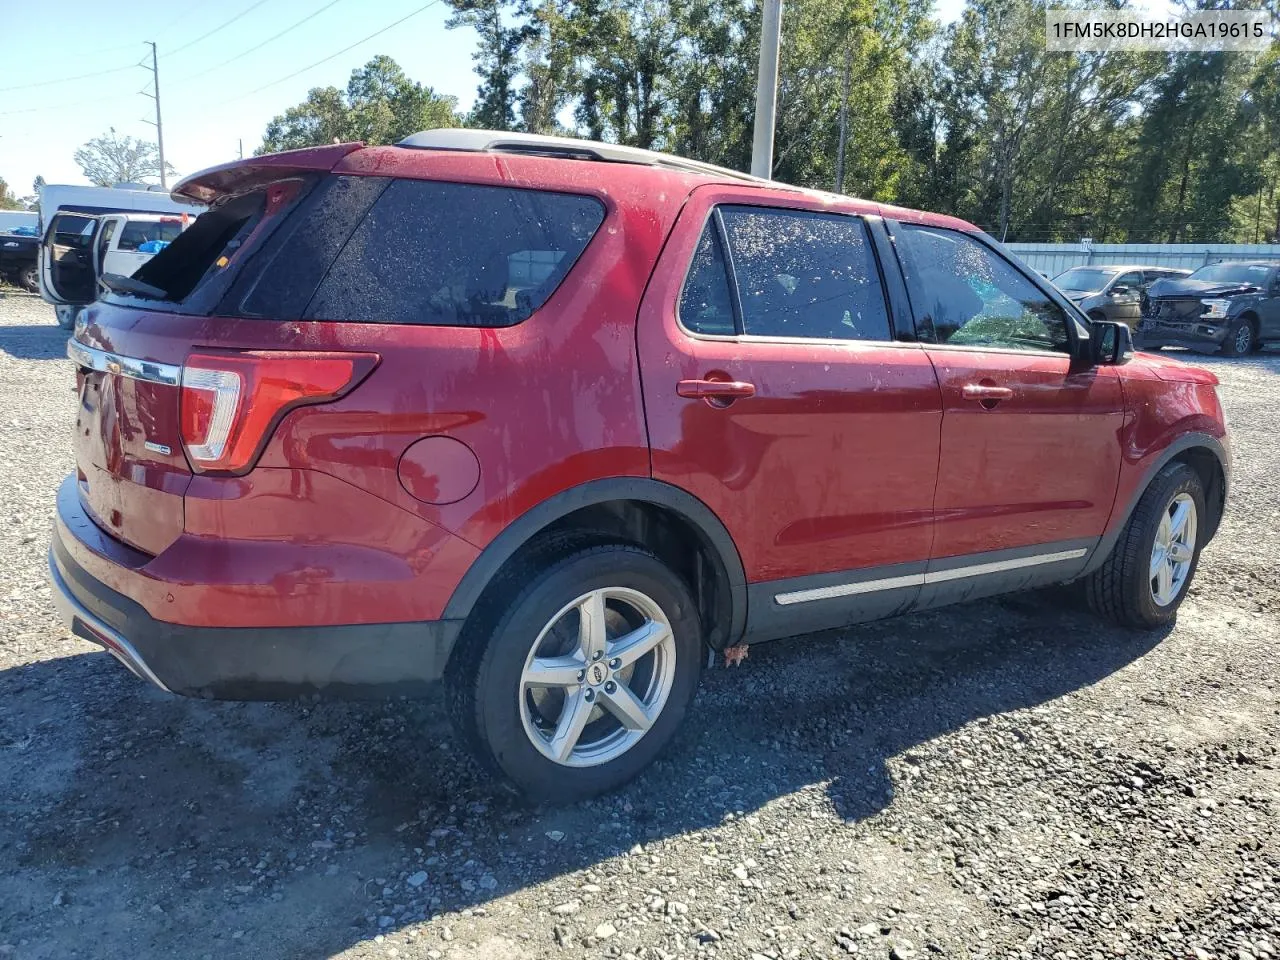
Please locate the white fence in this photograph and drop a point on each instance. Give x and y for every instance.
(1053, 258)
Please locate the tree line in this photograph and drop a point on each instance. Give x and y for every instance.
(974, 118)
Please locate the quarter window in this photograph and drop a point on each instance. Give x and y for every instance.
(706, 303)
(804, 274)
(965, 294)
(455, 254)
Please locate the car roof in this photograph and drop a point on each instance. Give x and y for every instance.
(1242, 263)
(547, 162)
(1121, 267)
(458, 139)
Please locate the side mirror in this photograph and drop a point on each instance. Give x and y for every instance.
(1112, 342)
(1121, 290)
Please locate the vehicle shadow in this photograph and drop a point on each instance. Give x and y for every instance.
(34, 341)
(194, 820)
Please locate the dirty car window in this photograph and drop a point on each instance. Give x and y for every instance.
(455, 254)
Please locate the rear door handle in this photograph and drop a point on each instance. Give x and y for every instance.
(715, 389)
(982, 391)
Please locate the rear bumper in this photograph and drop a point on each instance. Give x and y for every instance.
(242, 663)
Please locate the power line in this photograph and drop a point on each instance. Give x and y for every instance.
(331, 56)
(245, 53)
(65, 106)
(222, 26)
(79, 76)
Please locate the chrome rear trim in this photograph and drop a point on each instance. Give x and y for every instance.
(104, 362)
(74, 613)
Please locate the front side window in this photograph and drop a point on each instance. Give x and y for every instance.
(802, 274)
(455, 254)
(965, 294)
(1132, 280)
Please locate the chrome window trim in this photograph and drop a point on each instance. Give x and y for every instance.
(924, 579)
(131, 367)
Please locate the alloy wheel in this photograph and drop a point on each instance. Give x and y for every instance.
(597, 677)
(1244, 338)
(1173, 550)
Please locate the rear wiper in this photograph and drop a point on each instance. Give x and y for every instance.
(118, 284)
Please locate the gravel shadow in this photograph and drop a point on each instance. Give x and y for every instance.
(186, 822)
(35, 341)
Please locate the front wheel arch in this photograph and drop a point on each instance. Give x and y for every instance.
(1202, 451)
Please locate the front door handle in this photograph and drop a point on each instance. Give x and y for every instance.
(715, 389)
(986, 392)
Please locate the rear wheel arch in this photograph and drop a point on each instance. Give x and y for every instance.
(676, 526)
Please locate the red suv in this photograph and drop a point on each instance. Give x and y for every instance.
(546, 419)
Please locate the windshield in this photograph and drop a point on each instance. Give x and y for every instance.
(1254, 273)
(1084, 278)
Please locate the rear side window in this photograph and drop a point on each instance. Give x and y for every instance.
(453, 254)
(804, 274)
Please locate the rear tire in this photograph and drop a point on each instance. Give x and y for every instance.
(560, 712)
(29, 279)
(1241, 339)
(1130, 588)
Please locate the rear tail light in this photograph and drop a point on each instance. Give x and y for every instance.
(231, 402)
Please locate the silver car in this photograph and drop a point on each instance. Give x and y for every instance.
(1112, 291)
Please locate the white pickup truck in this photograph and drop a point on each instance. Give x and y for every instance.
(78, 249)
(88, 232)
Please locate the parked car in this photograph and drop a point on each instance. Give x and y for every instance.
(80, 251)
(18, 260)
(1231, 307)
(545, 419)
(1112, 292)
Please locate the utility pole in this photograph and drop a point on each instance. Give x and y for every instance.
(766, 89)
(155, 83)
(241, 148)
(844, 118)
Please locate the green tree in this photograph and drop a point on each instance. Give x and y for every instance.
(497, 59)
(7, 200)
(380, 105)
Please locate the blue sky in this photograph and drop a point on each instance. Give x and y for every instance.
(208, 107)
(205, 115)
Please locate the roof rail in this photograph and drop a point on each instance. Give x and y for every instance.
(567, 148)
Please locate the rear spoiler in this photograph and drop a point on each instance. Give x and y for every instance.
(241, 176)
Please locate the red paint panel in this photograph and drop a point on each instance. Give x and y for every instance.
(133, 490)
(830, 465)
(288, 548)
(1163, 400)
(439, 470)
(1037, 467)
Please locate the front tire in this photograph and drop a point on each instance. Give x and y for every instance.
(581, 672)
(1241, 339)
(29, 279)
(1144, 580)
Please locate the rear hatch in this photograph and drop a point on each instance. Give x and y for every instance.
(130, 347)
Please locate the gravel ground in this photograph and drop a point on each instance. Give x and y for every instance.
(1004, 779)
